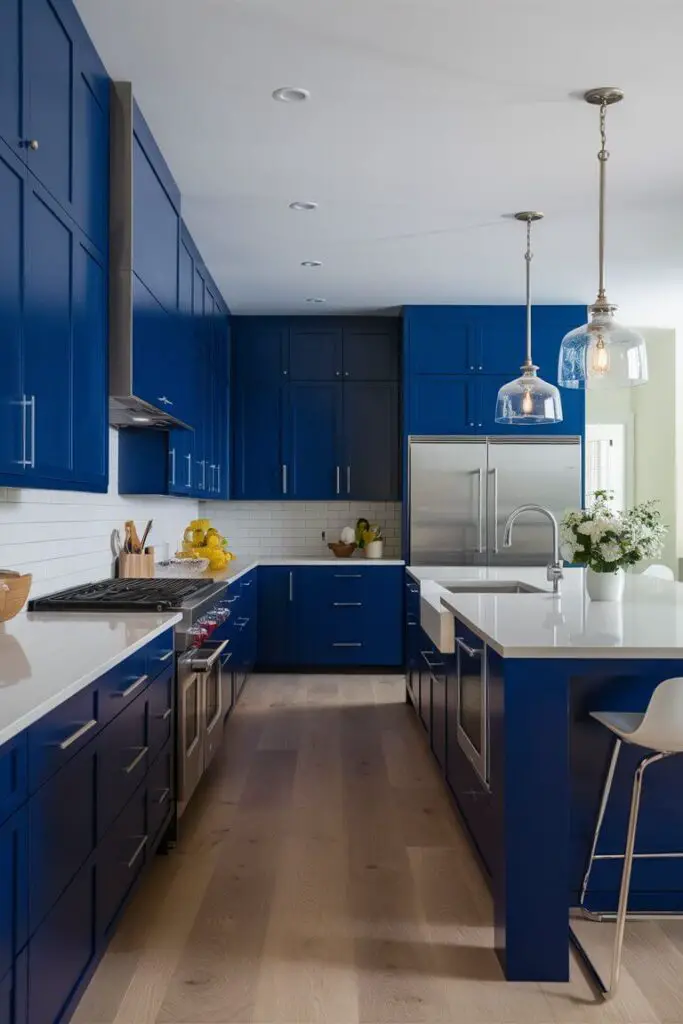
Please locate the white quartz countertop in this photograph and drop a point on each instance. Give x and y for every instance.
(647, 624)
(244, 565)
(47, 657)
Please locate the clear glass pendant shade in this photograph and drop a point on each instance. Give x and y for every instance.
(602, 355)
(528, 401)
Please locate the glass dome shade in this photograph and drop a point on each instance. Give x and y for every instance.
(528, 401)
(602, 355)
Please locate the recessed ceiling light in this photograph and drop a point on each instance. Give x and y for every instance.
(316, 300)
(291, 94)
(311, 263)
(141, 419)
(303, 206)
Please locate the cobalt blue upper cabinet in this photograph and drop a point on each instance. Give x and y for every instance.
(312, 430)
(457, 357)
(11, 84)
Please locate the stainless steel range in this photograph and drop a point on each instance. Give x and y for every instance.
(204, 681)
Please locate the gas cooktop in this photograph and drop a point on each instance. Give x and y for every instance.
(160, 595)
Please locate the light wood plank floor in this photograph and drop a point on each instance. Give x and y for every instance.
(322, 877)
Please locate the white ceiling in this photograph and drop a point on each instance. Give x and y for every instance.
(429, 121)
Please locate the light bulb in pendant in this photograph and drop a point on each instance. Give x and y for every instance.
(527, 403)
(599, 358)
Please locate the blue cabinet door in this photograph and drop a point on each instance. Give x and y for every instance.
(181, 443)
(13, 454)
(371, 349)
(14, 992)
(48, 338)
(90, 412)
(91, 145)
(442, 405)
(220, 368)
(257, 453)
(156, 376)
(48, 87)
(311, 434)
(259, 350)
(156, 223)
(277, 592)
(13, 888)
(371, 442)
(315, 351)
(500, 335)
(10, 76)
(441, 339)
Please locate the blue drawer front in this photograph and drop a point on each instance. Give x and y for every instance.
(58, 737)
(123, 761)
(160, 712)
(13, 775)
(120, 859)
(160, 792)
(123, 684)
(62, 832)
(13, 888)
(160, 654)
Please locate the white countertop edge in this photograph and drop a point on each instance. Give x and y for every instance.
(230, 575)
(44, 707)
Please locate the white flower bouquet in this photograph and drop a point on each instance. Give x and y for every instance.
(605, 540)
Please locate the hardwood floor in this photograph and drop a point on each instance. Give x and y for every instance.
(322, 878)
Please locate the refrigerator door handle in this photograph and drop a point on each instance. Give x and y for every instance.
(495, 511)
(481, 512)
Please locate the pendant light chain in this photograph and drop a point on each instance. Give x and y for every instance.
(528, 256)
(603, 157)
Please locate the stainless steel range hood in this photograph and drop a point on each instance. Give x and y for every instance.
(126, 409)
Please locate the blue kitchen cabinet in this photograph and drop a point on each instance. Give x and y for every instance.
(14, 992)
(157, 353)
(12, 412)
(441, 340)
(277, 624)
(371, 349)
(314, 350)
(90, 409)
(258, 465)
(220, 370)
(10, 76)
(311, 440)
(371, 445)
(260, 350)
(14, 875)
(181, 443)
(442, 404)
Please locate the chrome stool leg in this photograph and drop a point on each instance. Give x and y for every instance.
(606, 790)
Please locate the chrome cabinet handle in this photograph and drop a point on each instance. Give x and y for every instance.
(76, 736)
(189, 471)
(218, 471)
(164, 400)
(348, 479)
(431, 665)
(165, 793)
(495, 511)
(247, 583)
(138, 850)
(473, 652)
(202, 463)
(32, 402)
(32, 144)
(166, 715)
(171, 455)
(212, 467)
(167, 656)
(347, 604)
(348, 576)
(24, 430)
(347, 645)
(338, 479)
(480, 503)
(131, 689)
(136, 760)
(291, 586)
(284, 478)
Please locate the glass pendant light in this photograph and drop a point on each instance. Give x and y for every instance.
(528, 401)
(602, 354)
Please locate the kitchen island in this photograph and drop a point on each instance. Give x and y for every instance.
(512, 679)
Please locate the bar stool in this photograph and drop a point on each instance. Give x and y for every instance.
(660, 730)
(660, 572)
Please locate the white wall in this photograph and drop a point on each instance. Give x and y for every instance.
(63, 537)
(293, 528)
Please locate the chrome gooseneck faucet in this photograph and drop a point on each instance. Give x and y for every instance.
(554, 570)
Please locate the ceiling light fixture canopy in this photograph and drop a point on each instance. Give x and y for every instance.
(311, 263)
(291, 94)
(301, 205)
(602, 354)
(528, 401)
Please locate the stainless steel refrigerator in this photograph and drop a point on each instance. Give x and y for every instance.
(462, 489)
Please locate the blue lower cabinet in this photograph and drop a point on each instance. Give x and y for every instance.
(62, 950)
(14, 992)
(120, 858)
(160, 712)
(13, 775)
(428, 653)
(62, 831)
(160, 792)
(276, 619)
(123, 761)
(13, 888)
(61, 734)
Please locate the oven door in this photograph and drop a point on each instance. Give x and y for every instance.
(190, 740)
(208, 663)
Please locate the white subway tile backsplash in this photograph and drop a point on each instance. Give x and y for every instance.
(273, 529)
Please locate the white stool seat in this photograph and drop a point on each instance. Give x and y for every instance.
(660, 728)
(660, 572)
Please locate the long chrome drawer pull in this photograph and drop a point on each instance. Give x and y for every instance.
(132, 688)
(431, 664)
(474, 652)
(167, 714)
(347, 645)
(164, 796)
(231, 600)
(167, 656)
(248, 583)
(75, 736)
(136, 760)
(347, 604)
(138, 850)
(348, 575)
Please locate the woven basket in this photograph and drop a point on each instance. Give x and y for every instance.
(15, 589)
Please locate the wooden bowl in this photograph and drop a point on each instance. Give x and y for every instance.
(16, 596)
(342, 550)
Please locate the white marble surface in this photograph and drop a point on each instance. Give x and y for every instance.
(647, 624)
(45, 657)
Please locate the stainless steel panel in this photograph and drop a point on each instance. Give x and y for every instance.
(544, 471)
(447, 501)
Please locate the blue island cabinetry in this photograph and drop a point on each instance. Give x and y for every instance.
(54, 175)
(86, 796)
(316, 407)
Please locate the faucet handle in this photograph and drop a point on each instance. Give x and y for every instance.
(555, 573)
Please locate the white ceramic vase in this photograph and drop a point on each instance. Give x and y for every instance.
(375, 549)
(605, 586)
